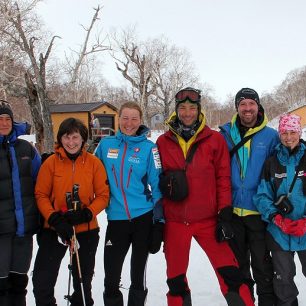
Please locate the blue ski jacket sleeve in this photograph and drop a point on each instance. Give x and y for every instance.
(277, 176)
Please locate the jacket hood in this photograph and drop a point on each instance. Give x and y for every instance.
(171, 122)
(141, 134)
(18, 129)
(284, 155)
(61, 153)
(202, 132)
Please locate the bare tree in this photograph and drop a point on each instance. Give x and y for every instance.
(136, 67)
(172, 71)
(18, 28)
(290, 94)
(81, 86)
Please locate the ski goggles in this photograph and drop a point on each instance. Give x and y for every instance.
(190, 94)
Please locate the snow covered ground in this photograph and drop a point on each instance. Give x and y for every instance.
(201, 277)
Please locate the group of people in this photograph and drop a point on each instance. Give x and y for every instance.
(239, 192)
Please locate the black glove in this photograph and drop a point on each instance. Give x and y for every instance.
(224, 229)
(78, 216)
(61, 226)
(156, 237)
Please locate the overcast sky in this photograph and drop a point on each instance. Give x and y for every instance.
(233, 43)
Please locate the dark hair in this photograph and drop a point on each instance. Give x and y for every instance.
(69, 126)
(132, 105)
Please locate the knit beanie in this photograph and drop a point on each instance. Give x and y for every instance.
(5, 108)
(290, 122)
(246, 93)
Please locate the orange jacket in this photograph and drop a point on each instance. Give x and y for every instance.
(58, 174)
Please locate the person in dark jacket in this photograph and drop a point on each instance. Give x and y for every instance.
(281, 200)
(19, 217)
(246, 164)
(206, 212)
(134, 213)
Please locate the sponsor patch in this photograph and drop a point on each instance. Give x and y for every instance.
(280, 175)
(112, 153)
(134, 159)
(156, 158)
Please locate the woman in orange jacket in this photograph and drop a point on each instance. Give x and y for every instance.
(71, 190)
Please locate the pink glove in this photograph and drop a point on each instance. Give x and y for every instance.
(299, 228)
(285, 224)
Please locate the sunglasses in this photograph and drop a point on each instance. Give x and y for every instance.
(192, 95)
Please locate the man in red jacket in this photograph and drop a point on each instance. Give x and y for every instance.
(205, 213)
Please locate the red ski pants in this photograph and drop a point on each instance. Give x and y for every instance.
(178, 238)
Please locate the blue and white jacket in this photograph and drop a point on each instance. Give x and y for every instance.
(277, 176)
(133, 167)
(246, 164)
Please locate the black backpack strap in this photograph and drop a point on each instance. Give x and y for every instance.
(191, 153)
(240, 144)
(298, 169)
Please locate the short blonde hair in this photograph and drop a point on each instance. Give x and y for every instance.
(132, 105)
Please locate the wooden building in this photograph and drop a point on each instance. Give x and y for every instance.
(301, 111)
(99, 117)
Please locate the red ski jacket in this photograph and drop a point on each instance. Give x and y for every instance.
(208, 175)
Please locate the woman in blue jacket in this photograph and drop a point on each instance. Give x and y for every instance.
(133, 166)
(281, 199)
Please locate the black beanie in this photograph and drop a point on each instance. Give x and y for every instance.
(246, 93)
(5, 109)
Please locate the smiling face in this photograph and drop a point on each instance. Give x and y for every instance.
(72, 143)
(248, 111)
(188, 113)
(290, 139)
(6, 124)
(129, 121)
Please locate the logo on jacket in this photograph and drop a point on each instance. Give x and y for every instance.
(134, 159)
(280, 175)
(156, 158)
(112, 153)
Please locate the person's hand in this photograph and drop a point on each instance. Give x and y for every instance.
(224, 229)
(285, 224)
(156, 237)
(61, 226)
(79, 216)
(299, 228)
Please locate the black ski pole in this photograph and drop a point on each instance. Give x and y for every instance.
(68, 296)
(69, 207)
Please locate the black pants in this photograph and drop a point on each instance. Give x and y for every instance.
(47, 263)
(250, 248)
(285, 271)
(120, 234)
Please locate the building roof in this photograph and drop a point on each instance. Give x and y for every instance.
(78, 108)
